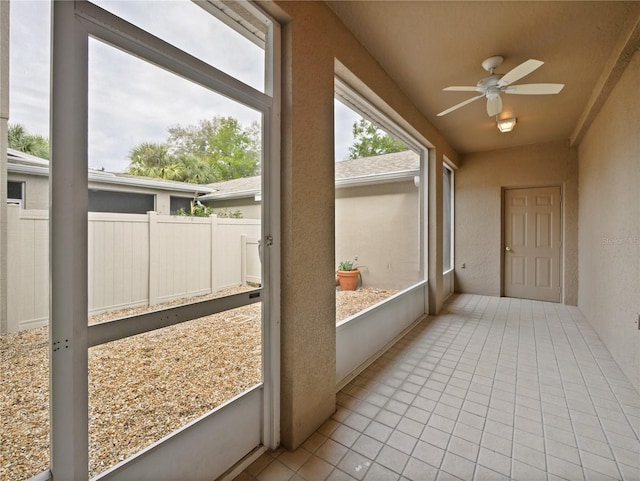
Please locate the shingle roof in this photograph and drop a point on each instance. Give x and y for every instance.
(397, 162)
(251, 185)
(18, 160)
(361, 169)
(404, 161)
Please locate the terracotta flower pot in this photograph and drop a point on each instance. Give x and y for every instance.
(348, 280)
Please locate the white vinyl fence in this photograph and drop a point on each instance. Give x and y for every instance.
(134, 260)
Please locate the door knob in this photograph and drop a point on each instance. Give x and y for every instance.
(508, 249)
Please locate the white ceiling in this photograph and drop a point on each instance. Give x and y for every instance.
(427, 45)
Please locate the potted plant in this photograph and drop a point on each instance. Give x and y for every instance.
(348, 275)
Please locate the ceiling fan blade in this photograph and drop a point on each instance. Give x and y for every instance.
(515, 74)
(534, 89)
(461, 89)
(461, 104)
(494, 105)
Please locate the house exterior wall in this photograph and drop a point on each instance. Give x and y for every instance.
(386, 213)
(250, 208)
(163, 203)
(36, 190)
(379, 225)
(478, 211)
(609, 240)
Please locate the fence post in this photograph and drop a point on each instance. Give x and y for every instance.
(4, 119)
(243, 259)
(154, 257)
(214, 258)
(14, 256)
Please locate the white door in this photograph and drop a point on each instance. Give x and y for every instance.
(532, 243)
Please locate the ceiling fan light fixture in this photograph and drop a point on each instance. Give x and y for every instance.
(506, 125)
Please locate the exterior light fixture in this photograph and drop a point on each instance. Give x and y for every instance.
(506, 125)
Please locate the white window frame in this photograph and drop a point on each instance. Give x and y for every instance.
(445, 166)
(13, 200)
(359, 104)
(70, 336)
(361, 338)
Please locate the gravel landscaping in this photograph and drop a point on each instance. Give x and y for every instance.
(140, 388)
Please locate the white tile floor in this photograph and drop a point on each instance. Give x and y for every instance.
(491, 389)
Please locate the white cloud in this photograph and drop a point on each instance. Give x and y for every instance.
(344, 118)
(200, 35)
(131, 101)
(29, 65)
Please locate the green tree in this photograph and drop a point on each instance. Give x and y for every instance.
(369, 140)
(20, 139)
(211, 151)
(232, 150)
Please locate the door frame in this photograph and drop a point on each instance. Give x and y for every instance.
(503, 212)
(70, 335)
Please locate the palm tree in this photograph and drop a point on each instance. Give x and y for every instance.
(148, 158)
(20, 139)
(196, 169)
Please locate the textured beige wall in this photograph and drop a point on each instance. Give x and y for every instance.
(380, 225)
(434, 232)
(316, 45)
(609, 157)
(478, 207)
(308, 335)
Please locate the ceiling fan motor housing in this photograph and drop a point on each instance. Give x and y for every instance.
(488, 82)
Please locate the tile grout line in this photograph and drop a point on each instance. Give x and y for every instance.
(531, 332)
(602, 374)
(564, 391)
(571, 345)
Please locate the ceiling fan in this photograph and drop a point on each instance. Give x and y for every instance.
(492, 86)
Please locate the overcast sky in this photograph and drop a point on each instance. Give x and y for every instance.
(131, 101)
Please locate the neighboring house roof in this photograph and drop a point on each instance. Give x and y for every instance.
(385, 168)
(230, 189)
(397, 162)
(19, 162)
(378, 169)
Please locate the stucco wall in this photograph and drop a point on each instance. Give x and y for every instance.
(316, 46)
(478, 210)
(308, 339)
(609, 157)
(380, 225)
